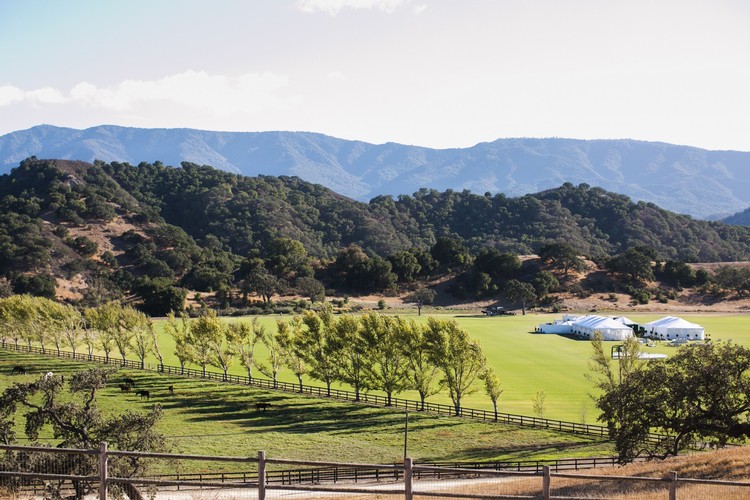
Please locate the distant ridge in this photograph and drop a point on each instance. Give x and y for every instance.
(683, 179)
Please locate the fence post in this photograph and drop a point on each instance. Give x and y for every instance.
(546, 483)
(672, 477)
(408, 495)
(103, 470)
(261, 475)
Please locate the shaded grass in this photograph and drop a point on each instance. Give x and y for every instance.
(204, 417)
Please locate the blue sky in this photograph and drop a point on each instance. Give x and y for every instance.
(424, 72)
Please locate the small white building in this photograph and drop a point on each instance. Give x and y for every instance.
(588, 326)
(671, 328)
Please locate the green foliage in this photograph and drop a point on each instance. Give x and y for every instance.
(40, 285)
(732, 278)
(451, 254)
(519, 292)
(634, 264)
(160, 296)
(421, 297)
(698, 395)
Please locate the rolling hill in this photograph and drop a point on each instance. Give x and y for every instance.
(682, 179)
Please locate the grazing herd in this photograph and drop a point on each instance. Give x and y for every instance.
(127, 386)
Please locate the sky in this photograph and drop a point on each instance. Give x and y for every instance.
(434, 73)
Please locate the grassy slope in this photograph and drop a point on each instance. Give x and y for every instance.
(526, 362)
(221, 419)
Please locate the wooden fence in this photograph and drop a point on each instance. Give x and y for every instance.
(23, 465)
(340, 394)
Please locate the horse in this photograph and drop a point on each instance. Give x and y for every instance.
(124, 387)
(143, 394)
(19, 370)
(171, 390)
(262, 405)
(129, 381)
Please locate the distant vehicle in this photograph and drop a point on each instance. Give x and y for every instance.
(498, 311)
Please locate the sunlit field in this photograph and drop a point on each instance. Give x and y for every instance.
(527, 362)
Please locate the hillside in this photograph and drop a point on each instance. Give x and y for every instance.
(107, 230)
(702, 183)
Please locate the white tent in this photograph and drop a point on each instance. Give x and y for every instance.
(588, 326)
(609, 328)
(671, 327)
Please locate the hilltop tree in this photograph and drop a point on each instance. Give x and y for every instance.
(732, 278)
(562, 256)
(519, 292)
(634, 264)
(421, 297)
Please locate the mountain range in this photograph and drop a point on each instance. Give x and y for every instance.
(702, 183)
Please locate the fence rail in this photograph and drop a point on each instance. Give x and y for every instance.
(403, 479)
(334, 393)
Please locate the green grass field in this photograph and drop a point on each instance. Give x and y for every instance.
(528, 362)
(221, 419)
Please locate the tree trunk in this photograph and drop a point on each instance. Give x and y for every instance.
(301, 389)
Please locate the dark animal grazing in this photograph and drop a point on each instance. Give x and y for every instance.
(129, 381)
(262, 405)
(143, 394)
(18, 369)
(124, 387)
(171, 389)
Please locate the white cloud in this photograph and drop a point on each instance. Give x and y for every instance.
(333, 7)
(219, 94)
(45, 95)
(335, 76)
(10, 94)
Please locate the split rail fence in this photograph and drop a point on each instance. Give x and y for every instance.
(60, 472)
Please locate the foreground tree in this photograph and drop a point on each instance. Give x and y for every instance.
(352, 351)
(245, 338)
(76, 422)
(319, 347)
(457, 356)
(492, 386)
(205, 334)
(291, 339)
(386, 361)
(179, 330)
(700, 395)
(420, 371)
